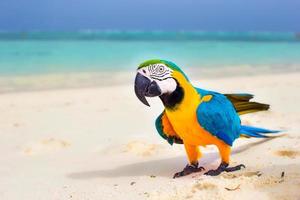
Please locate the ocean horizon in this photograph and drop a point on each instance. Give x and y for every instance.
(263, 36)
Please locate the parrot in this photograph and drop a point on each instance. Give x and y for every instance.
(196, 117)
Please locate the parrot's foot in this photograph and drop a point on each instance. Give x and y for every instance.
(224, 168)
(189, 169)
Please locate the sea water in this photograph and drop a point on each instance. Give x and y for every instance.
(40, 53)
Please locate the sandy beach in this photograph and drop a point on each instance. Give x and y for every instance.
(101, 143)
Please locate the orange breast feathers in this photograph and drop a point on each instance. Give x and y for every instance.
(167, 126)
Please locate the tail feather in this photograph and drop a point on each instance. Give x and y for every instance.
(243, 105)
(250, 131)
(239, 97)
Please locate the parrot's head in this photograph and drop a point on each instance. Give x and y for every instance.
(158, 78)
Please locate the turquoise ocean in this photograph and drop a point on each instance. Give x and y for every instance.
(24, 54)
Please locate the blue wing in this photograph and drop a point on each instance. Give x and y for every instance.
(219, 117)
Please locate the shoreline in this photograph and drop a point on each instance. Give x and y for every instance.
(54, 81)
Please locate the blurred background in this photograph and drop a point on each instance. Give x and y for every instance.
(64, 43)
(98, 141)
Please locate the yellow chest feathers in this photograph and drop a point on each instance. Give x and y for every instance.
(185, 123)
(183, 117)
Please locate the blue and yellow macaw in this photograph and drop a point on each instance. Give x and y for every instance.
(196, 117)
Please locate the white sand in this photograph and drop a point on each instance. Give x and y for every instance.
(101, 143)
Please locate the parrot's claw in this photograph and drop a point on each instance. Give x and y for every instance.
(224, 168)
(189, 169)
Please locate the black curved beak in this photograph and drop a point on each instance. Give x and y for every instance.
(144, 87)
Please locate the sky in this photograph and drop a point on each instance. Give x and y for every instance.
(150, 15)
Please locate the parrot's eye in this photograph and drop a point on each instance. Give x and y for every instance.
(161, 69)
(144, 71)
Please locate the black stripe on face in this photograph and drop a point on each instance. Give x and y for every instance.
(151, 70)
(159, 75)
(161, 79)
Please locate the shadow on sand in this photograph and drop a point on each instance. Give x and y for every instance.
(163, 167)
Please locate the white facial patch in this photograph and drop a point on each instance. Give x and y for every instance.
(162, 75)
(167, 86)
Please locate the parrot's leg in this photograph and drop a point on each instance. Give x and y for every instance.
(193, 154)
(224, 150)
